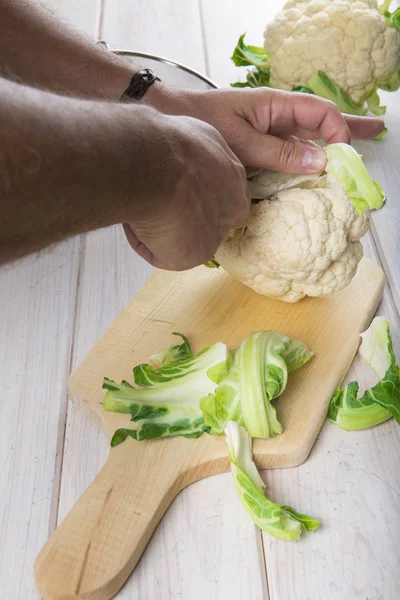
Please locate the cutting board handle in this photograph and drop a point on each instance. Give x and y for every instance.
(95, 549)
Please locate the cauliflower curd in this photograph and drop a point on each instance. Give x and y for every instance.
(341, 50)
(299, 243)
(303, 239)
(351, 43)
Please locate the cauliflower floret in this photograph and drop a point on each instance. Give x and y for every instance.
(300, 242)
(348, 40)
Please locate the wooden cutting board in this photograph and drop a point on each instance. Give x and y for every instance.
(98, 544)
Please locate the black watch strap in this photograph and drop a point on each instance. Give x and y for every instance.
(140, 83)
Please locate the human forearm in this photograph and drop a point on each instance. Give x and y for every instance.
(70, 166)
(38, 48)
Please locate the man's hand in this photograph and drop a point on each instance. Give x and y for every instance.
(70, 166)
(204, 196)
(269, 128)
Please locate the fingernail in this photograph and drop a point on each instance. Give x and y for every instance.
(313, 159)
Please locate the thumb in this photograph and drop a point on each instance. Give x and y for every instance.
(291, 155)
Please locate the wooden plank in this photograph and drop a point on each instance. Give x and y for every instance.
(111, 274)
(223, 22)
(382, 161)
(213, 550)
(169, 28)
(205, 545)
(37, 309)
(36, 321)
(84, 437)
(83, 15)
(352, 555)
(351, 481)
(193, 533)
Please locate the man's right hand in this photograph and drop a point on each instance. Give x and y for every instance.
(202, 196)
(72, 166)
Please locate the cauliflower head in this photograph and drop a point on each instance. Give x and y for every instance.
(350, 41)
(303, 238)
(299, 242)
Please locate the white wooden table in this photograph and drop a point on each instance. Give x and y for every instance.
(56, 304)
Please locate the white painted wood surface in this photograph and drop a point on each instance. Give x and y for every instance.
(351, 481)
(86, 15)
(226, 559)
(169, 28)
(55, 305)
(37, 309)
(38, 302)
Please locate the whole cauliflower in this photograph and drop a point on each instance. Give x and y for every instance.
(349, 41)
(303, 238)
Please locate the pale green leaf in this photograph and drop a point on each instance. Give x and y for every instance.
(279, 521)
(346, 167)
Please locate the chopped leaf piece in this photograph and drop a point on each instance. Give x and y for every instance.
(146, 376)
(109, 384)
(262, 377)
(386, 393)
(189, 428)
(380, 402)
(307, 523)
(376, 347)
(200, 394)
(351, 413)
(240, 452)
(258, 375)
(212, 264)
(224, 404)
(139, 412)
(379, 138)
(126, 383)
(120, 436)
(277, 520)
(173, 353)
(175, 387)
(345, 165)
(296, 355)
(168, 403)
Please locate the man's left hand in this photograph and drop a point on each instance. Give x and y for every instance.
(266, 127)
